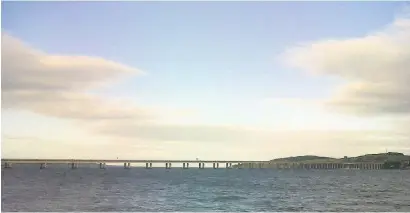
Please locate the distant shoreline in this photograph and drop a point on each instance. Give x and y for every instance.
(367, 158)
(390, 160)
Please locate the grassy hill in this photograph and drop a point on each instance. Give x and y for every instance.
(381, 157)
(304, 158)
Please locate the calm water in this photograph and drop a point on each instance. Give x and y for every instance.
(117, 189)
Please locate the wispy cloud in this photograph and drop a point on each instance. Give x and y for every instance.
(59, 86)
(375, 67)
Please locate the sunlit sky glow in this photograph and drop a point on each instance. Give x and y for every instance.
(213, 80)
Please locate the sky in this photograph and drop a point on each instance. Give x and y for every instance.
(208, 80)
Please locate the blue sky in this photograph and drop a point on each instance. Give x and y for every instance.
(219, 59)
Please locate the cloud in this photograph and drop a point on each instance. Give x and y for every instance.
(71, 105)
(376, 68)
(224, 145)
(46, 72)
(60, 85)
(184, 133)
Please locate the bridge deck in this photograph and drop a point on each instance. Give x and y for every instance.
(123, 161)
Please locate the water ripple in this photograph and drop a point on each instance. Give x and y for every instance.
(155, 190)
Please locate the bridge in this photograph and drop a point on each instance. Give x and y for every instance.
(229, 164)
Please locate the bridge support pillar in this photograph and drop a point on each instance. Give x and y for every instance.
(168, 165)
(74, 165)
(201, 165)
(148, 165)
(43, 165)
(229, 165)
(102, 165)
(127, 165)
(7, 165)
(185, 165)
(215, 165)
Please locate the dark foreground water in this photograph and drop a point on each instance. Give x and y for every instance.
(117, 189)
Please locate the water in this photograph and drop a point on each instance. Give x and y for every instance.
(138, 189)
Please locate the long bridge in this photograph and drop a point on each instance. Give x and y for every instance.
(239, 164)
